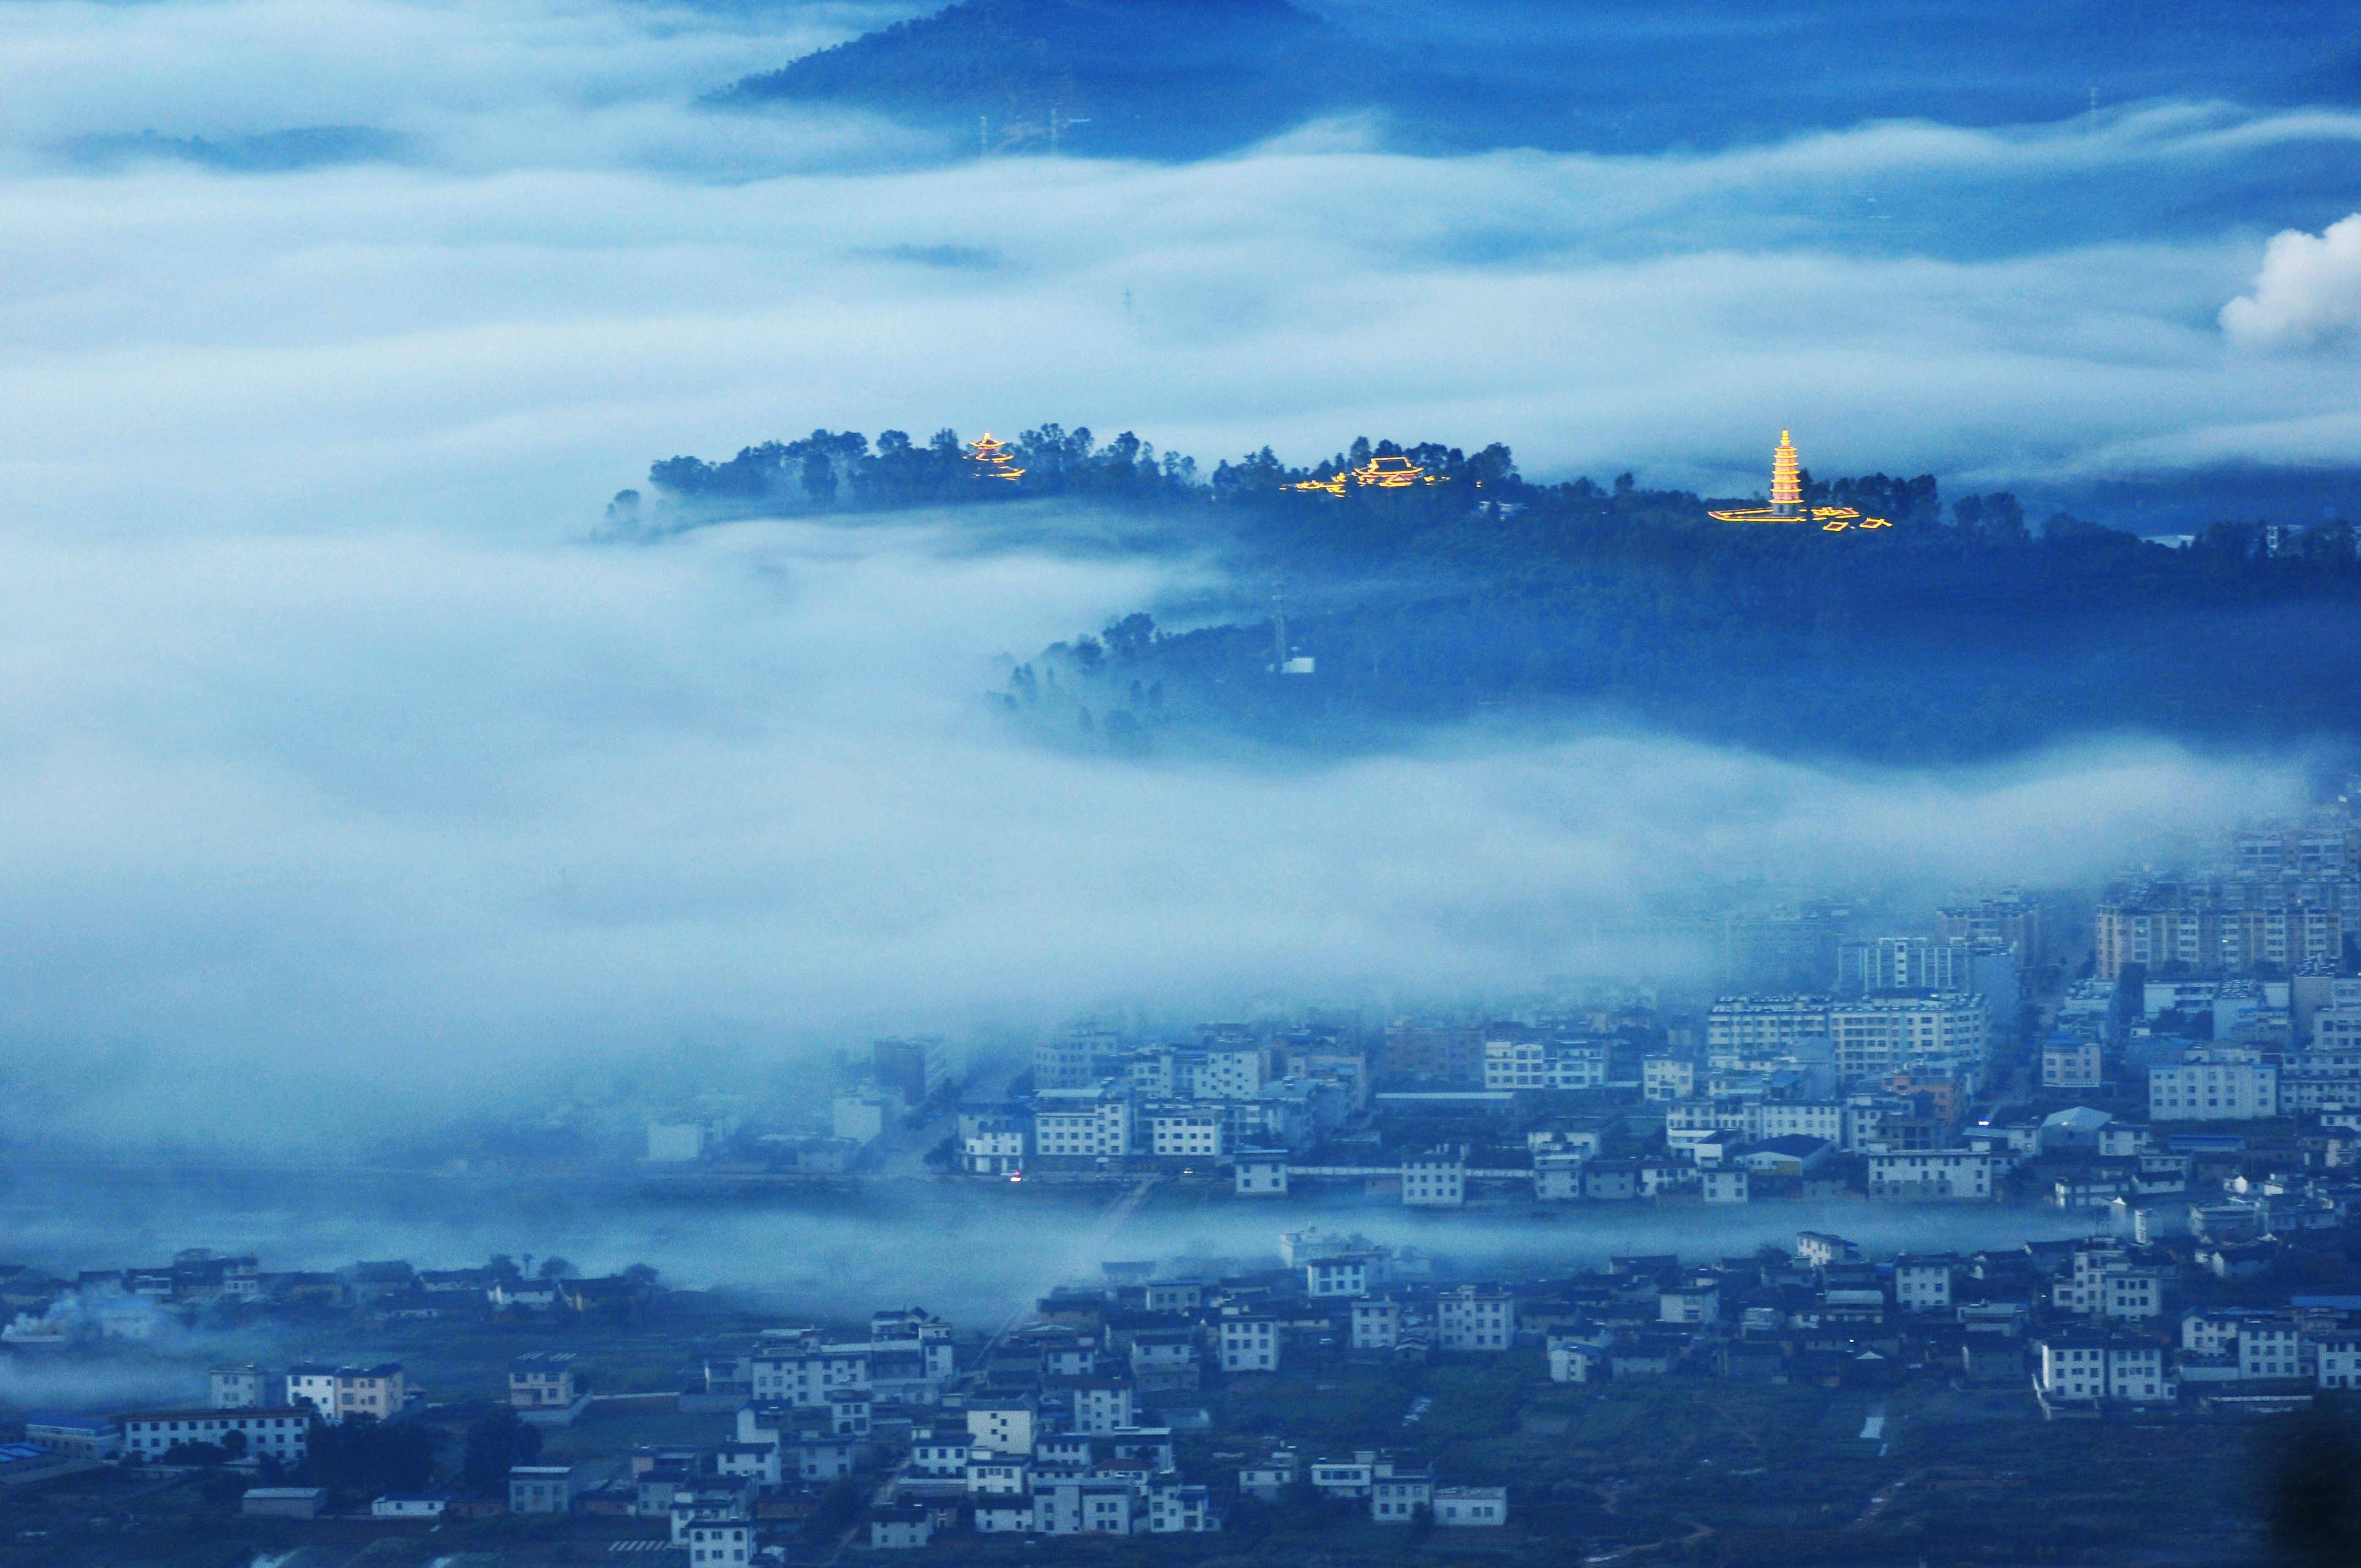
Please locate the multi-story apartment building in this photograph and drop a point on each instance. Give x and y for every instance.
(2321, 1080)
(1377, 1325)
(2133, 930)
(1436, 1179)
(1182, 1132)
(1077, 1059)
(1544, 1064)
(801, 1373)
(2338, 1358)
(2218, 1085)
(1075, 1123)
(1742, 1026)
(281, 1434)
(2069, 1061)
(1923, 1284)
(1103, 1404)
(239, 1387)
(1667, 1078)
(1232, 1071)
(1936, 1173)
(1796, 1119)
(2007, 920)
(338, 1393)
(917, 1068)
(2085, 1368)
(1247, 1344)
(1904, 963)
(2337, 1029)
(2272, 1346)
(1879, 1036)
(1472, 1318)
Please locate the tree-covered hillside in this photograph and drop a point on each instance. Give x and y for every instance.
(1959, 631)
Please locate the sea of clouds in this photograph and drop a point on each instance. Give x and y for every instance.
(338, 769)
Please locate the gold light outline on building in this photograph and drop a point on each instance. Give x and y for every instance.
(1787, 499)
(1387, 473)
(991, 459)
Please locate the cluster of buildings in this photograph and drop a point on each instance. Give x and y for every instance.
(1039, 1432)
(1761, 1096)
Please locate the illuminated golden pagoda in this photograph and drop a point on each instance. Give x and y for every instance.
(1787, 499)
(991, 459)
(1786, 478)
(1390, 473)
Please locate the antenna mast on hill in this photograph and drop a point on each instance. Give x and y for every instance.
(1279, 629)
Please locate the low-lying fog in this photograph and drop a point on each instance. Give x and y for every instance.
(312, 840)
(974, 1253)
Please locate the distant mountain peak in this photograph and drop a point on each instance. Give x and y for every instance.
(1157, 77)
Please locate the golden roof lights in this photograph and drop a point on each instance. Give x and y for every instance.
(1787, 499)
(991, 459)
(1378, 474)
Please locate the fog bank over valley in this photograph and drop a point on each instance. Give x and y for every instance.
(437, 826)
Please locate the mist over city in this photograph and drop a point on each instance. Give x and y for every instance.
(1319, 781)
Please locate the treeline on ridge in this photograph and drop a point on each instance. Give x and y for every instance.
(1964, 629)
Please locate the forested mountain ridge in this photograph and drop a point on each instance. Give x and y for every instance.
(1156, 78)
(1961, 631)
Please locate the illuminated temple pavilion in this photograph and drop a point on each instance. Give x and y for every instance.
(1787, 499)
(991, 459)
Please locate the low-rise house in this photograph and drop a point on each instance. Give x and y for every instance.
(543, 1383)
(1691, 1304)
(1724, 1185)
(1557, 1178)
(1269, 1477)
(760, 1463)
(1466, 1505)
(545, 1488)
(409, 1506)
(80, 1437)
(1611, 1180)
(1343, 1276)
(721, 1543)
(901, 1526)
(1576, 1359)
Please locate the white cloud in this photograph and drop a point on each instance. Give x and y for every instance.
(2308, 293)
(409, 821)
(328, 771)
